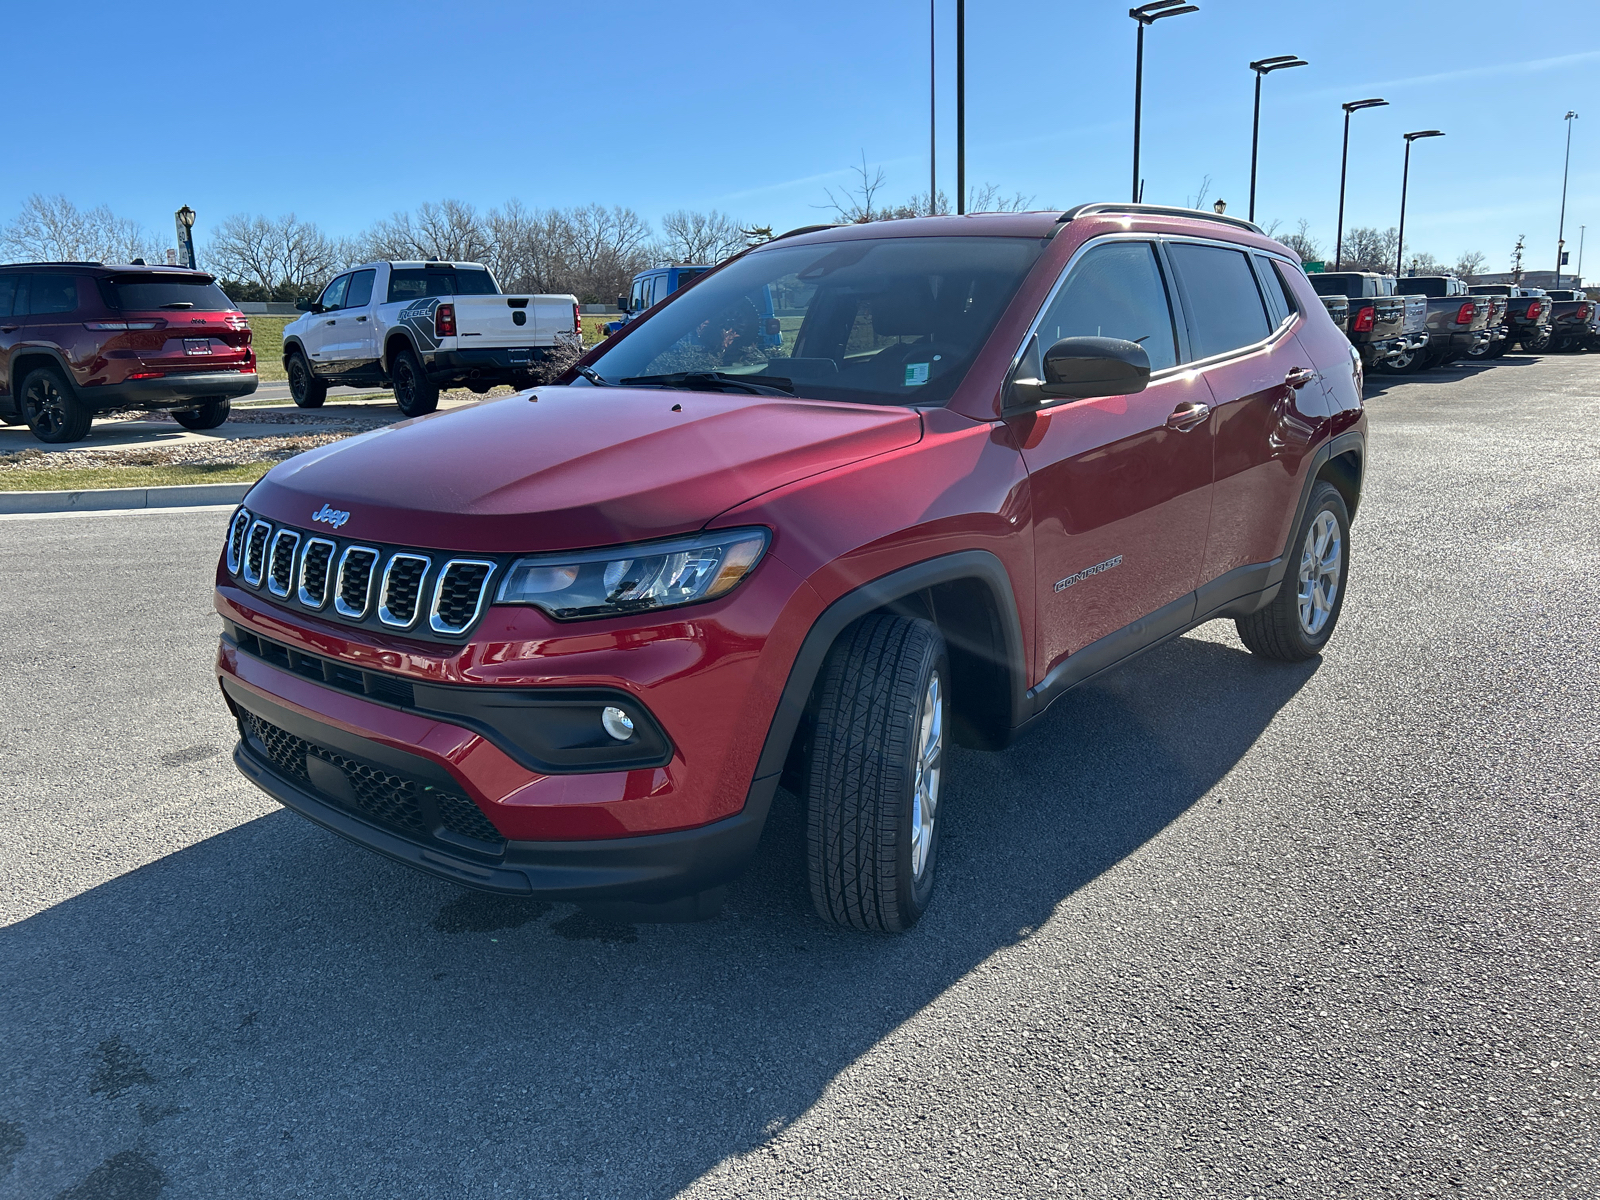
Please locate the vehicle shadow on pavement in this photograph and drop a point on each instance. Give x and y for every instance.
(275, 1012)
(1378, 383)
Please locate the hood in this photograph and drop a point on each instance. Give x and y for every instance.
(573, 467)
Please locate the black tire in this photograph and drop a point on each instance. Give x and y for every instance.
(305, 389)
(1480, 353)
(206, 415)
(8, 419)
(1278, 631)
(414, 393)
(1406, 362)
(52, 409)
(864, 840)
(1538, 344)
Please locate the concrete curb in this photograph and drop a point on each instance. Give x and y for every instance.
(180, 496)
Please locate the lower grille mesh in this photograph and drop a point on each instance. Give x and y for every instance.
(376, 793)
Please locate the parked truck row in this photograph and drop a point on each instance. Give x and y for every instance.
(1402, 325)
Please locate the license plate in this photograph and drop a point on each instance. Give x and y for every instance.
(197, 345)
(521, 356)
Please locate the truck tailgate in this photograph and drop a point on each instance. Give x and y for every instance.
(488, 321)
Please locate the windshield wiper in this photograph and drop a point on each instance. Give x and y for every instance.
(593, 376)
(179, 304)
(717, 381)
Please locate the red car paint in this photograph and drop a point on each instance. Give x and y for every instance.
(852, 493)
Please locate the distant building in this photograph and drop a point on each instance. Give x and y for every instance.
(1533, 279)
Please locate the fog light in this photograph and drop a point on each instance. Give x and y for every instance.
(618, 723)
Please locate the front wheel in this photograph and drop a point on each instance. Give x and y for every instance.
(414, 393)
(206, 415)
(1301, 618)
(874, 765)
(52, 409)
(305, 389)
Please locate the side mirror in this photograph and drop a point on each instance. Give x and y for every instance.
(303, 305)
(622, 303)
(1078, 368)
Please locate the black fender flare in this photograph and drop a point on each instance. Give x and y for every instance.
(981, 566)
(1335, 447)
(25, 353)
(385, 359)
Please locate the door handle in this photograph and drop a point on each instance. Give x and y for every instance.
(330, 322)
(9, 328)
(1298, 377)
(1187, 416)
(361, 318)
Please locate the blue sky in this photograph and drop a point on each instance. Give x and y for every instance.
(343, 112)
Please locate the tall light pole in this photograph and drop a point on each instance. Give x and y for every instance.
(933, 110)
(185, 222)
(1148, 14)
(1344, 161)
(1581, 229)
(1405, 179)
(1262, 67)
(961, 106)
(1561, 232)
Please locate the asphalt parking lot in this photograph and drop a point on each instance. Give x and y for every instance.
(1220, 928)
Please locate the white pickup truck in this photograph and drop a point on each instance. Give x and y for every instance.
(420, 326)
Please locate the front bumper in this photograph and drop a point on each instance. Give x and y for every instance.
(650, 869)
(168, 391)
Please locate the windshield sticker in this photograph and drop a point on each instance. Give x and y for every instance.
(916, 374)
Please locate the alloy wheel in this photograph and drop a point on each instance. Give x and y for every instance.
(45, 408)
(929, 769)
(1321, 563)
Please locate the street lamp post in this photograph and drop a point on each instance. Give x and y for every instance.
(933, 110)
(961, 106)
(1561, 231)
(185, 220)
(1344, 160)
(1148, 14)
(1262, 67)
(1405, 179)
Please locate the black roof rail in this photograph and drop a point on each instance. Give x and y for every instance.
(804, 229)
(53, 262)
(1159, 210)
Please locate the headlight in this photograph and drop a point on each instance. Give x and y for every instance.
(629, 579)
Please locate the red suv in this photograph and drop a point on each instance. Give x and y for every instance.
(567, 643)
(82, 338)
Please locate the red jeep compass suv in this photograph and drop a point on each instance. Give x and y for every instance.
(567, 643)
(82, 338)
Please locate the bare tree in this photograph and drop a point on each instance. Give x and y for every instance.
(987, 198)
(1367, 248)
(696, 237)
(1300, 241)
(282, 255)
(1199, 197)
(1469, 264)
(855, 205)
(53, 229)
(450, 230)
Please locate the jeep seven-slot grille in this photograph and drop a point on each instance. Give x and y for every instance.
(382, 588)
(374, 792)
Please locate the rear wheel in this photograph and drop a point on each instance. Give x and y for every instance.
(414, 392)
(305, 389)
(1301, 618)
(206, 415)
(52, 409)
(1480, 351)
(1538, 344)
(1403, 363)
(873, 771)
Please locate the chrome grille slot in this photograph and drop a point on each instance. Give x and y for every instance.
(459, 594)
(255, 552)
(354, 594)
(236, 535)
(280, 574)
(399, 597)
(316, 562)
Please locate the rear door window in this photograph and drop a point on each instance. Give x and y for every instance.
(1115, 291)
(8, 289)
(360, 293)
(53, 294)
(1223, 302)
(149, 293)
(1280, 300)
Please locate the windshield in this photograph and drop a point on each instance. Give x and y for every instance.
(871, 321)
(133, 294)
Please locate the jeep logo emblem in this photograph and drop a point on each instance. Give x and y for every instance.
(330, 516)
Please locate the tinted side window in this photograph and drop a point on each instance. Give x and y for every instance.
(474, 281)
(1223, 301)
(360, 293)
(53, 294)
(1116, 291)
(8, 289)
(1280, 300)
(333, 294)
